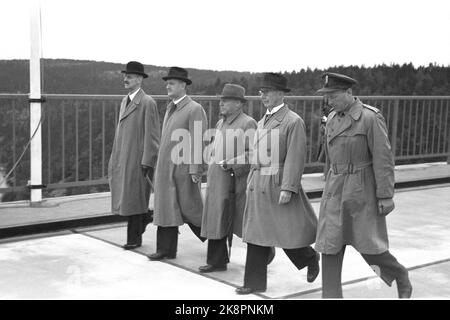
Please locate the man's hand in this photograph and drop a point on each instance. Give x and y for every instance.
(196, 178)
(285, 197)
(385, 206)
(147, 171)
(223, 165)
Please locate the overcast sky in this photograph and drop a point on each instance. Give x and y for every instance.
(242, 35)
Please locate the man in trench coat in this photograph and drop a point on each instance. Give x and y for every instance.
(359, 189)
(134, 155)
(233, 138)
(179, 168)
(277, 211)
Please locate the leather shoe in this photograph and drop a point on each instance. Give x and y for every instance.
(313, 269)
(210, 268)
(247, 290)
(271, 255)
(404, 287)
(160, 256)
(131, 246)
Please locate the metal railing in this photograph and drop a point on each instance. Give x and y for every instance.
(78, 132)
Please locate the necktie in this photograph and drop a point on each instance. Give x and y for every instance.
(267, 117)
(172, 109)
(128, 101)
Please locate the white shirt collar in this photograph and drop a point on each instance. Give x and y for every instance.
(132, 95)
(178, 101)
(275, 109)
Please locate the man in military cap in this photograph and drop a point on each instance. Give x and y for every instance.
(177, 183)
(229, 164)
(359, 189)
(277, 211)
(134, 154)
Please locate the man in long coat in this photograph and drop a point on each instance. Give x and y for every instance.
(179, 169)
(277, 211)
(233, 138)
(359, 189)
(134, 155)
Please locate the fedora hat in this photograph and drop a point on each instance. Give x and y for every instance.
(335, 82)
(178, 73)
(135, 67)
(274, 81)
(233, 91)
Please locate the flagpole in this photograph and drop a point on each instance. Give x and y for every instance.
(35, 99)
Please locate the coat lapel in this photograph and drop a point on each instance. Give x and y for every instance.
(274, 121)
(353, 113)
(133, 104)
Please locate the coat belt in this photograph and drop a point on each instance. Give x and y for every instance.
(349, 168)
(259, 166)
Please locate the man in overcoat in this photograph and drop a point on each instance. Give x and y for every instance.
(179, 170)
(359, 189)
(134, 155)
(233, 138)
(277, 211)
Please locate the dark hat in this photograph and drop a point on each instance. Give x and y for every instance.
(336, 81)
(135, 67)
(178, 73)
(274, 81)
(233, 91)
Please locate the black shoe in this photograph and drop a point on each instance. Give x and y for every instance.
(404, 287)
(271, 255)
(313, 269)
(247, 290)
(209, 268)
(131, 246)
(161, 256)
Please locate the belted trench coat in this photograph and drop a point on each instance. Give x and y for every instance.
(361, 172)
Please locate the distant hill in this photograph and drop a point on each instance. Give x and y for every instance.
(93, 77)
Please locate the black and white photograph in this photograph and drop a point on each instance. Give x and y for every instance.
(224, 155)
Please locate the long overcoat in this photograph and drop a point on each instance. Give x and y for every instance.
(136, 143)
(177, 198)
(217, 219)
(361, 171)
(266, 222)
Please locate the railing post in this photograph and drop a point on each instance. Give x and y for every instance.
(35, 105)
(448, 138)
(394, 128)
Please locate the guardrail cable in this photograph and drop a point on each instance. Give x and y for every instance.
(23, 153)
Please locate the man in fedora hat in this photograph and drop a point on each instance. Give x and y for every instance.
(134, 154)
(277, 211)
(359, 189)
(228, 170)
(177, 183)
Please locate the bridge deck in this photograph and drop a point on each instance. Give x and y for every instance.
(88, 263)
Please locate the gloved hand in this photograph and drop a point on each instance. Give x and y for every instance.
(224, 166)
(385, 206)
(147, 171)
(196, 178)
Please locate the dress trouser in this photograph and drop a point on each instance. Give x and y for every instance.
(136, 227)
(217, 254)
(255, 276)
(167, 239)
(384, 264)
